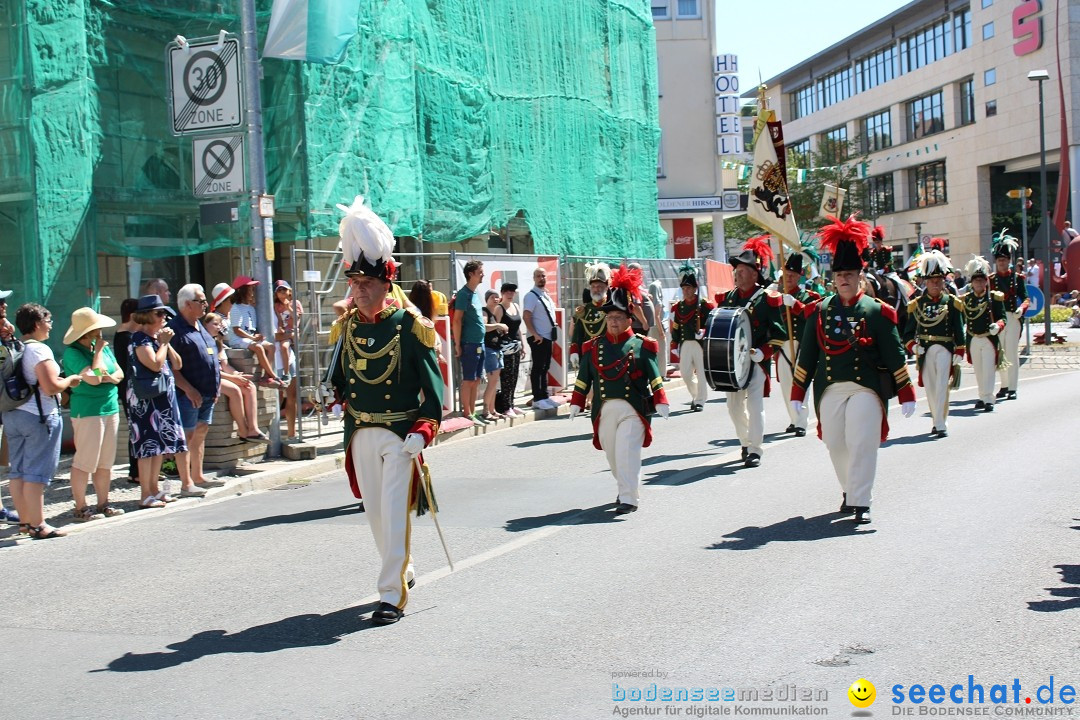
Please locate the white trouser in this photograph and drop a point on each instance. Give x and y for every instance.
(850, 418)
(984, 362)
(783, 369)
(936, 376)
(692, 369)
(1010, 376)
(384, 474)
(747, 411)
(622, 432)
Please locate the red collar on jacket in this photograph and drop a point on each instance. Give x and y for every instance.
(857, 298)
(621, 338)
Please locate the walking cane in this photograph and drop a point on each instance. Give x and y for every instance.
(431, 507)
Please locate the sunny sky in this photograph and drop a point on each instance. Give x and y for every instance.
(790, 30)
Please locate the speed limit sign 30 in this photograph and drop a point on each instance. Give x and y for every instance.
(204, 85)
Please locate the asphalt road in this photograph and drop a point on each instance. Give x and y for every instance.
(726, 578)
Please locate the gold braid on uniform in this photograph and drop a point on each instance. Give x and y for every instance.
(976, 308)
(423, 329)
(357, 357)
(940, 315)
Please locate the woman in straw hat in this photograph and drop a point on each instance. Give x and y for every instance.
(95, 410)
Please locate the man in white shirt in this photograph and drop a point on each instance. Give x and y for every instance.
(1034, 273)
(539, 317)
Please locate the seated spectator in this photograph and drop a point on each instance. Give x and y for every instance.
(245, 334)
(287, 313)
(155, 422)
(94, 409)
(34, 428)
(236, 386)
(1074, 321)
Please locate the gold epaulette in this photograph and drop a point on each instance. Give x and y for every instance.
(913, 305)
(997, 295)
(957, 303)
(579, 312)
(339, 325)
(423, 329)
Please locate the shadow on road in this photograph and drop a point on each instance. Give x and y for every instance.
(305, 516)
(293, 632)
(553, 441)
(577, 516)
(794, 529)
(657, 459)
(911, 440)
(1070, 574)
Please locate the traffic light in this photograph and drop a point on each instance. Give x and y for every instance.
(1015, 194)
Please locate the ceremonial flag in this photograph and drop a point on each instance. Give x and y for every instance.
(770, 204)
(313, 30)
(832, 201)
(913, 261)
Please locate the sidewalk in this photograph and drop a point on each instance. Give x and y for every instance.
(250, 477)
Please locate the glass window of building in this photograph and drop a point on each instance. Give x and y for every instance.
(962, 30)
(926, 46)
(689, 9)
(988, 30)
(802, 102)
(987, 3)
(834, 145)
(834, 87)
(991, 108)
(660, 9)
(925, 116)
(989, 77)
(967, 102)
(876, 131)
(875, 69)
(799, 154)
(877, 195)
(927, 186)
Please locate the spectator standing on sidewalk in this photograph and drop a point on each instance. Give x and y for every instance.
(120, 345)
(513, 349)
(95, 410)
(34, 428)
(493, 357)
(198, 381)
(8, 341)
(468, 324)
(539, 318)
(156, 286)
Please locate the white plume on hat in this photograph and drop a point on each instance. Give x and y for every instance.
(977, 266)
(364, 233)
(598, 272)
(934, 262)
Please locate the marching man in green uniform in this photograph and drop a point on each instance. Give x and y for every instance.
(1013, 287)
(806, 302)
(747, 407)
(935, 334)
(590, 318)
(387, 376)
(621, 367)
(847, 340)
(688, 320)
(984, 317)
(879, 255)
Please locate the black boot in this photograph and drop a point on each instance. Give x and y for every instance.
(386, 614)
(862, 516)
(989, 407)
(1002, 393)
(1012, 395)
(790, 428)
(980, 405)
(845, 509)
(745, 452)
(752, 460)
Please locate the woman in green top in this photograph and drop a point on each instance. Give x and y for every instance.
(95, 410)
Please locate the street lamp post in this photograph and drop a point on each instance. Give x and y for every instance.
(1041, 76)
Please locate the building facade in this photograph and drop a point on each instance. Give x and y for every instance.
(935, 104)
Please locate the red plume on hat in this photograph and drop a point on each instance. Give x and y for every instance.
(760, 246)
(628, 280)
(937, 244)
(850, 230)
(878, 233)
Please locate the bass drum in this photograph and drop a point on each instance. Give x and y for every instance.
(727, 349)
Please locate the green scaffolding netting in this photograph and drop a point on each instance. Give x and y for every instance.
(452, 116)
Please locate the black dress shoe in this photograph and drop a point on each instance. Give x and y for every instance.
(790, 428)
(845, 509)
(942, 433)
(934, 433)
(1012, 395)
(386, 614)
(862, 516)
(800, 432)
(752, 460)
(625, 509)
(989, 407)
(411, 583)
(697, 408)
(745, 452)
(1002, 393)
(980, 405)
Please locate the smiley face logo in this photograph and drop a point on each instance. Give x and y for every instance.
(862, 693)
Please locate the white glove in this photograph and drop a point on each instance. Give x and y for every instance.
(664, 410)
(957, 359)
(574, 411)
(908, 408)
(675, 351)
(789, 300)
(756, 355)
(700, 335)
(573, 361)
(994, 329)
(414, 443)
(336, 411)
(919, 349)
(797, 406)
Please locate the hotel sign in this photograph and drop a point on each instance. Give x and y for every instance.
(729, 140)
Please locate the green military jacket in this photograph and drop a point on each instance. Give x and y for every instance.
(388, 373)
(852, 343)
(1013, 288)
(766, 321)
(687, 319)
(982, 311)
(620, 368)
(589, 322)
(935, 322)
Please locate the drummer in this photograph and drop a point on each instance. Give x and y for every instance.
(747, 406)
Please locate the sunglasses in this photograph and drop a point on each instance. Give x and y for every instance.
(161, 313)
